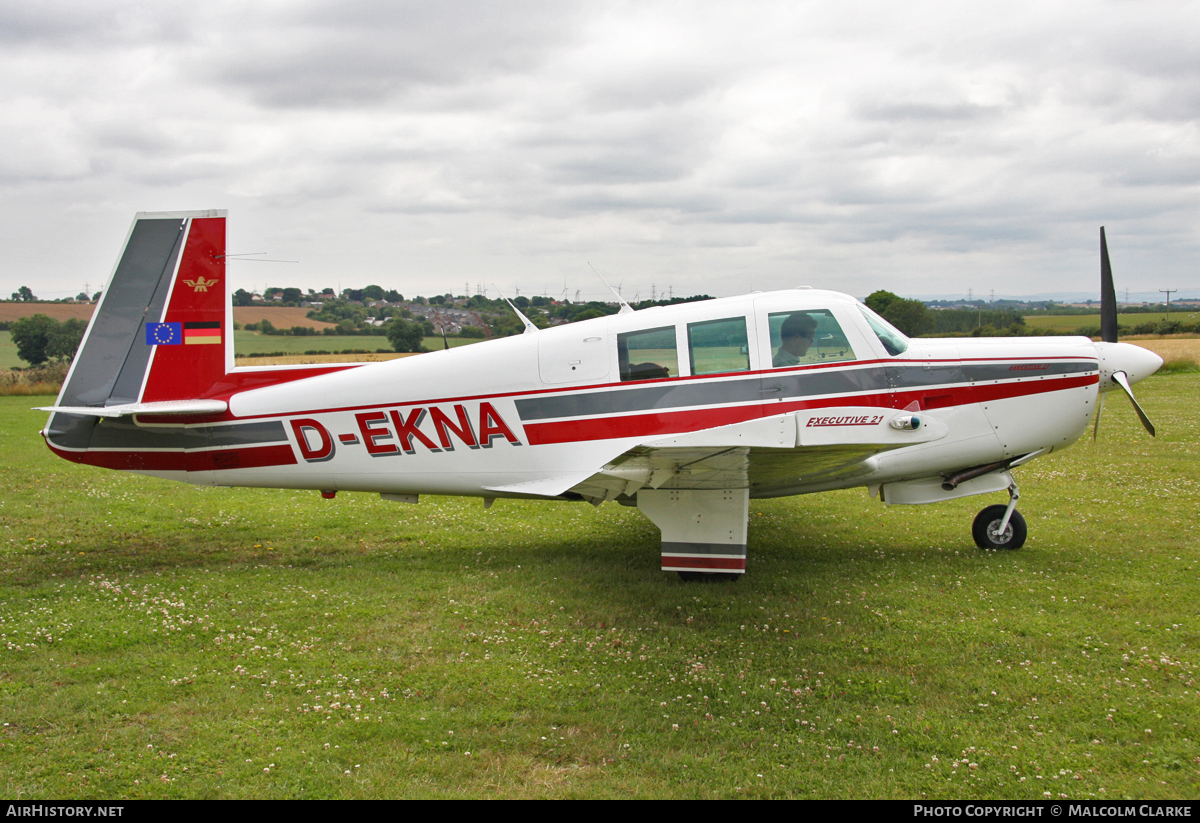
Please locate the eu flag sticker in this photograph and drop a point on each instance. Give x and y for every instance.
(164, 334)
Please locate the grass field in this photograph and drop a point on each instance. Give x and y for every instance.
(1071, 322)
(161, 640)
(8, 353)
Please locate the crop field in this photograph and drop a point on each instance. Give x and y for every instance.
(167, 641)
(1071, 322)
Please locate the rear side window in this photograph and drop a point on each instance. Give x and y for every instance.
(648, 355)
(719, 346)
(812, 336)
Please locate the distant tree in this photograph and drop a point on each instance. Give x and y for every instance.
(419, 300)
(40, 338)
(81, 297)
(241, 297)
(266, 326)
(393, 296)
(472, 331)
(522, 302)
(64, 341)
(24, 295)
(879, 301)
(909, 316)
(96, 296)
(31, 336)
(292, 295)
(328, 292)
(437, 300)
(373, 292)
(540, 301)
(405, 335)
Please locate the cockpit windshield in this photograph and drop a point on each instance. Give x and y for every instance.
(892, 339)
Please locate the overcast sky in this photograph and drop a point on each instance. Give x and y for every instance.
(926, 148)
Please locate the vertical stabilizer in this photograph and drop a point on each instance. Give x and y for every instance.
(164, 326)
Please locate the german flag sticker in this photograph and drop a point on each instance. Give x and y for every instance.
(201, 333)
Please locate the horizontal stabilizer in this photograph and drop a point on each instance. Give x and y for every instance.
(127, 409)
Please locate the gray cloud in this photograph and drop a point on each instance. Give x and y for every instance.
(919, 148)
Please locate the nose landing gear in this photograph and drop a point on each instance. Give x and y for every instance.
(1000, 527)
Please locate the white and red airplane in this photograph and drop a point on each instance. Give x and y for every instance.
(686, 412)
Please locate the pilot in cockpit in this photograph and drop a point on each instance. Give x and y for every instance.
(796, 335)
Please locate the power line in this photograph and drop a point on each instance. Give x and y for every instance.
(1168, 293)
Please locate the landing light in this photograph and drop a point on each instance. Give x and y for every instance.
(906, 422)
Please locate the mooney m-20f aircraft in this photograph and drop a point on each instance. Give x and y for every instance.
(686, 412)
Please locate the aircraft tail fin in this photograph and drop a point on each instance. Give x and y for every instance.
(163, 330)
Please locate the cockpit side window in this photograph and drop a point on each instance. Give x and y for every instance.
(648, 355)
(811, 336)
(719, 346)
(892, 339)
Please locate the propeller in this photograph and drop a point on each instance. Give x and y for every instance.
(1122, 380)
(1121, 364)
(1108, 295)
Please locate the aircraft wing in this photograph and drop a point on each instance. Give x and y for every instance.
(808, 446)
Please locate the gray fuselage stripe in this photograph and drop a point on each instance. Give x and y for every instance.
(687, 549)
(71, 431)
(786, 386)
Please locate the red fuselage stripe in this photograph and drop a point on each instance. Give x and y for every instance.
(703, 562)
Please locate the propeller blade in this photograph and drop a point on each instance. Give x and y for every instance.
(1108, 296)
(1099, 411)
(1122, 380)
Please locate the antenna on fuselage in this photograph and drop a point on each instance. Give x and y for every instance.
(529, 327)
(625, 307)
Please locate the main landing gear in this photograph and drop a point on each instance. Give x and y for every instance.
(1000, 527)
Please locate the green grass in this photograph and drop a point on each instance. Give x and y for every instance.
(1072, 322)
(8, 353)
(161, 640)
(249, 342)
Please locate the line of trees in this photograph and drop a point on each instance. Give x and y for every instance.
(40, 339)
(26, 295)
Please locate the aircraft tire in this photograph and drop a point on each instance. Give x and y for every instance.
(983, 529)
